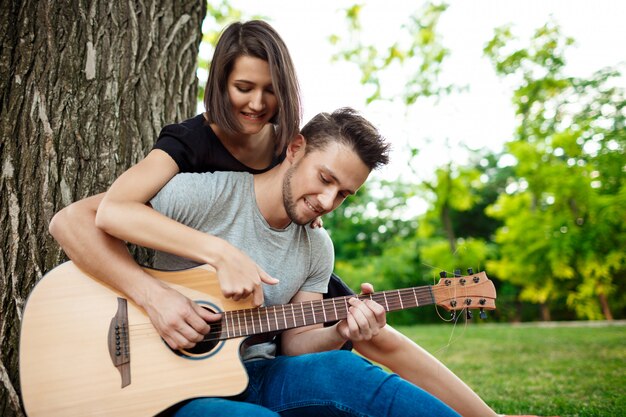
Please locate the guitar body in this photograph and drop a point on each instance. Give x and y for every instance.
(66, 366)
(87, 351)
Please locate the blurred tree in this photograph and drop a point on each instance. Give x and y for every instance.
(374, 216)
(420, 50)
(419, 55)
(564, 233)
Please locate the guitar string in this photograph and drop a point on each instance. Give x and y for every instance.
(309, 317)
(240, 330)
(454, 318)
(311, 314)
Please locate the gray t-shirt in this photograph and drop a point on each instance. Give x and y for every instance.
(224, 204)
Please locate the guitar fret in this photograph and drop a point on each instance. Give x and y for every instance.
(324, 311)
(257, 313)
(303, 316)
(267, 316)
(385, 298)
(415, 295)
(335, 308)
(252, 320)
(276, 318)
(313, 313)
(400, 298)
(285, 316)
(293, 313)
(226, 315)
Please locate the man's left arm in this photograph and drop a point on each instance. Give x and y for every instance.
(364, 321)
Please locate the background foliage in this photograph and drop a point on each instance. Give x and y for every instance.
(549, 228)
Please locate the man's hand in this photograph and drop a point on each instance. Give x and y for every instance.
(365, 318)
(240, 276)
(180, 322)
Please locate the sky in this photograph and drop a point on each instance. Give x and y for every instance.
(480, 117)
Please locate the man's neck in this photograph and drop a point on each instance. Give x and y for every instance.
(268, 190)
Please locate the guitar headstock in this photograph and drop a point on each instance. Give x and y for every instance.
(473, 291)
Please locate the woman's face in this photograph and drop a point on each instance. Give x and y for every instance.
(251, 93)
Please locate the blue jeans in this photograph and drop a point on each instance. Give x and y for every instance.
(336, 383)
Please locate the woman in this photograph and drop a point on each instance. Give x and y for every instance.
(252, 87)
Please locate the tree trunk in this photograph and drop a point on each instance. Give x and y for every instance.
(606, 308)
(447, 226)
(85, 88)
(545, 312)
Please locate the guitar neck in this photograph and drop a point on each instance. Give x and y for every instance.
(242, 323)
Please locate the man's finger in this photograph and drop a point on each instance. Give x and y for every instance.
(367, 288)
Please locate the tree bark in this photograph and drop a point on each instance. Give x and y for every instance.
(85, 88)
(606, 308)
(545, 312)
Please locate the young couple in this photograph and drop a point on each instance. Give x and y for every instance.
(256, 231)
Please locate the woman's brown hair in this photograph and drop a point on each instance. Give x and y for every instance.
(256, 39)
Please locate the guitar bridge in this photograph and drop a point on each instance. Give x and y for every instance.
(119, 341)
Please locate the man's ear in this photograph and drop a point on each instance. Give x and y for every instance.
(295, 148)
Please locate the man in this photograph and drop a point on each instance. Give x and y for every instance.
(205, 216)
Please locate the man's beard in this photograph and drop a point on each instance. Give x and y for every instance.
(288, 200)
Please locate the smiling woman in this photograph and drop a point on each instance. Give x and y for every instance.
(254, 105)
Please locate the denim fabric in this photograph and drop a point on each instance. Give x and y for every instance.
(337, 383)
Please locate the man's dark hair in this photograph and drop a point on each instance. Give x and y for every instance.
(347, 126)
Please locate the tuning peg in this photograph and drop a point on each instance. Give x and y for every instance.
(469, 314)
(453, 315)
(482, 314)
(443, 274)
(457, 273)
(470, 271)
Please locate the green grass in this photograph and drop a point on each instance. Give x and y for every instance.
(564, 370)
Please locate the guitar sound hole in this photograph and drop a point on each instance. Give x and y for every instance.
(206, 346)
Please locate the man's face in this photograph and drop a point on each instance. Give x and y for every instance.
(319, 181)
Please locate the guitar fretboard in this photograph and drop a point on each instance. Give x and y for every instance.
(242, 323)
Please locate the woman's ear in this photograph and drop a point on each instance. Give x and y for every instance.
(295, 148)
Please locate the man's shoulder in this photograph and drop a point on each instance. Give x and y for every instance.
(319, 237)
(222, 184)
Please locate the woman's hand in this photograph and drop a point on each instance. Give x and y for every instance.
(317, 222)
(240, 276)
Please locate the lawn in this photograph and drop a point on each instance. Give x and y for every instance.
(569, 370)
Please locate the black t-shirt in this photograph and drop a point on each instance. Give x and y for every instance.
(194, 147)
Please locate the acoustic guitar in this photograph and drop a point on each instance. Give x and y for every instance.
(85, 350)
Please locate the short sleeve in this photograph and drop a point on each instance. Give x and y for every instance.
(187, 143)
(322, 262)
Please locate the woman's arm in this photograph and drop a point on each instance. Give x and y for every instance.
(178, 320)
(124, 214)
